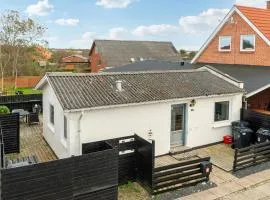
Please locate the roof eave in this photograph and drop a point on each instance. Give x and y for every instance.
(150, 102)
(257, 91)
(42, 83)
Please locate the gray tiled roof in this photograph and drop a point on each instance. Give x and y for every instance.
(119, 52)
(77, 91)
(254, 77)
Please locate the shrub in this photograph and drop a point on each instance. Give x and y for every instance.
(4, 110)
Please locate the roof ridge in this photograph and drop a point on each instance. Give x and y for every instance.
(125, 73)
(133, 41)
(252, 7)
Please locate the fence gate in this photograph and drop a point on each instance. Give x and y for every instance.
(178, 175)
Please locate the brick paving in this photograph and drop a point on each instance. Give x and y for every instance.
(33, 143)
(229, 187)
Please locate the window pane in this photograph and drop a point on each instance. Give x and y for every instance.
(248, 42)
(225, 43)
(221, 111)
(177, 118)
(65, 127)
(52, 114)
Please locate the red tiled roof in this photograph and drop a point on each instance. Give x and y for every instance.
(259, 17)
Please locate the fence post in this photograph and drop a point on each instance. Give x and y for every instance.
(235, 159)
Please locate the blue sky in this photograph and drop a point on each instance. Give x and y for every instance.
(75, 23)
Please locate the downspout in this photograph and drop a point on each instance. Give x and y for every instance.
(79, 131)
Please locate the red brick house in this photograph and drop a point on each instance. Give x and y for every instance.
(243, 37)
(116, 53)
(74, 61)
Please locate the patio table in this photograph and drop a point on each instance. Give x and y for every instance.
(23, 113)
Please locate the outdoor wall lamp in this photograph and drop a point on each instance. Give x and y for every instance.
(192, 103)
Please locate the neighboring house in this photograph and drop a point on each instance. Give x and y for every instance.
(255, 78)
(74, 61)
(243, 37)
(175, 108)
(256, 81)
(115, 53)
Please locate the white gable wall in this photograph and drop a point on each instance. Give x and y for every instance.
(54, 134)
(108, 123)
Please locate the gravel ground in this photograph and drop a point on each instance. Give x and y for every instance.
(251, 170)
(185, 191)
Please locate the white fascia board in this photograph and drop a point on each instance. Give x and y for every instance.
(213, 34)
(258, 91)
(225, 77)
(41, 83)
(151, 102)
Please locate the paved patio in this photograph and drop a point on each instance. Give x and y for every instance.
(222, 155)
(229, 187)
(33, 143)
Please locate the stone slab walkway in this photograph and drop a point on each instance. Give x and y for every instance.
(229, 187)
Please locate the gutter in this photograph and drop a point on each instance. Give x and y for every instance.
(149, 102)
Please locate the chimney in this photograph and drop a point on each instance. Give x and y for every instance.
(119, 85)
(268, 4)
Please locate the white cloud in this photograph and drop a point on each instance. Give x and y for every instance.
(253, 3)
(117, 33)
(67, 22)
(114, 3)
(41, 8)
(158, 30)
(204, 22)
(84, 41)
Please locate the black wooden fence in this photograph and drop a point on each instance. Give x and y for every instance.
(10, 127)
(135, 158)
(25, 102)
(91, 176)
(256, 119)
(251, 155)
(176, 176)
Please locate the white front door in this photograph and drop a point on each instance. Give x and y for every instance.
(178, 124)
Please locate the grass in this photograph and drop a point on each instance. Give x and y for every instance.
(12, 91)
(132, 191)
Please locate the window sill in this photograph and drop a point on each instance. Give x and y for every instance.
(221, 124)
(51, 127)
(247, 51)
(225, 51)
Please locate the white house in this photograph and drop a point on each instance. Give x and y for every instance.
(191, 108)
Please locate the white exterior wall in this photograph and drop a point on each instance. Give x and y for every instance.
(54, 134)
(116, 122)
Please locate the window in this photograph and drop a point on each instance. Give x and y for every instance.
(247, 43)
(52, 114)
(65, 127)
(225, 43)
(221, 111)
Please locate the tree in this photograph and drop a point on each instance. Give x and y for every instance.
(183, 52)
(17, 34)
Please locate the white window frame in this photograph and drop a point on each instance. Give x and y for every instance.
(50, 112)
(241, 43)
(224, 50)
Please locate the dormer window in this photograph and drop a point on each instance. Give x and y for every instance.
(247, 43)
(225, 43)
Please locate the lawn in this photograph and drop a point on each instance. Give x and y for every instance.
(12, 91)
(132, 191)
